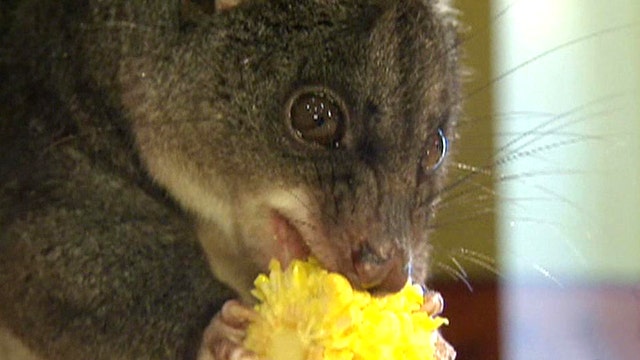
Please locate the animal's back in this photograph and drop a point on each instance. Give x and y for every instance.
(86, 242)
(108, 104)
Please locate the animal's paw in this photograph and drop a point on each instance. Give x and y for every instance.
(434, 305)
(224, 336)
(444, 350)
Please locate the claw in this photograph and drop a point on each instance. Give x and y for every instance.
(223, 337)
(433, 303)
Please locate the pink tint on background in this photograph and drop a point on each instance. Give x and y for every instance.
(581, 322)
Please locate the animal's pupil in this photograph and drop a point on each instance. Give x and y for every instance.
(321, 112)
(317, 116)
(319, 120)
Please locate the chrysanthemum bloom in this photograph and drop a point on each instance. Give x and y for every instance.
(308, 313)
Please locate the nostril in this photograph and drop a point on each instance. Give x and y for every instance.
(396, 278)
(379, 274)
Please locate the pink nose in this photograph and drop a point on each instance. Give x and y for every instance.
(379, 274)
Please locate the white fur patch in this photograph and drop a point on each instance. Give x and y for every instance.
(11, 348)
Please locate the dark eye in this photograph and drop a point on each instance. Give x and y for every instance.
(436, 149)
(316, 116)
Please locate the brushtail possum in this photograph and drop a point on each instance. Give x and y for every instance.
(155, 155)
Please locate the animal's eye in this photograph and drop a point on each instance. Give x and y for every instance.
(436, 150)
(317, 116)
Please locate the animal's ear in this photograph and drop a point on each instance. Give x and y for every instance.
(222, 5)
(446, 7)
(209, 6)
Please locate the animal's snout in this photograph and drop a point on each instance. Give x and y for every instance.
(380, 271)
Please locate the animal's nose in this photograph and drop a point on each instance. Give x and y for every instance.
(380, 271)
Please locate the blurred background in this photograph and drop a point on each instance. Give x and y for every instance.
(537, 244)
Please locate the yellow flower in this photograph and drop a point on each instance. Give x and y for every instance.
(308, 313)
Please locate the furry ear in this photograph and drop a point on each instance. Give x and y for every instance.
(210, 6)
(446, 7)
(226, 4)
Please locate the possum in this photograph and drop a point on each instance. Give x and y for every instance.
(155, 155)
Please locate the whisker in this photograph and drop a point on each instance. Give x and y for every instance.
(491, 165)
(536, 151)
(439, 225)
(455, 274)
(458, 266)
(475, 202)
(555, 49)
(485, 29)
(537, 174)
(477, 170)
(484, 261)
(475, 191)
(552, 121)
(559, 227)
(478, 210)
(565, 134)
(547, 274)
(556, 197)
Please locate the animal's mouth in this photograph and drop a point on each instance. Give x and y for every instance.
(290, 244)
(378, 268)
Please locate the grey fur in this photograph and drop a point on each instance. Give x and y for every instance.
(109, 105)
